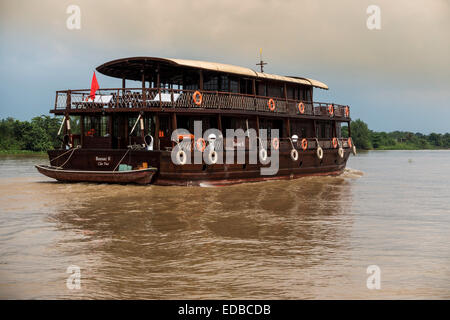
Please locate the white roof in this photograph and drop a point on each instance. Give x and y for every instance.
(228, 68)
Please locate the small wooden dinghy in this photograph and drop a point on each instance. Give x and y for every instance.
(141, 176)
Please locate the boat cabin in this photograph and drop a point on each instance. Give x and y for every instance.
(173, 93)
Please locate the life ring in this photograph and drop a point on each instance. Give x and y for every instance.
(330, 109)
(275, 143)
(319, 152)
(212, 157)
(341, 152)
(197, 97)
(304, 144)
(262, 155)
(181, 157)
(200, 144)
(335, 142)
(271, 105)
(301, 107)
(347, 111)
(294, 154)
(349, 141)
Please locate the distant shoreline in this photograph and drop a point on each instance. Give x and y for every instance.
(402, 147)
(22, 152)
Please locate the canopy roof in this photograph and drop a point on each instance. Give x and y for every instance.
(133, 68)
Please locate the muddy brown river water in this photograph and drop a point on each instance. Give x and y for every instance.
(302, 239)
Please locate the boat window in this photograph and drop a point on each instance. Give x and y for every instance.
(224, 84)
(261, 89)
(75, 124)
(290, 92)
(211, 83)
(306, 94)
(300, 128)
(187, 122)
(342, 129)
(149, 125)
(276, 90)
(246, 86)
(96, 126)
(234, 85)
(324, 129)
(164, 127)
(191, 81)
(233, 123)
(269, 124)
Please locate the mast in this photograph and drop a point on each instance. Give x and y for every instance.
(261, 62)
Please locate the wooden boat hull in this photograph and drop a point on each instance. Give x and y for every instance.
(170, 174)
(143, 176)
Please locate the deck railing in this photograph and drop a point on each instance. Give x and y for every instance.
(137, 98)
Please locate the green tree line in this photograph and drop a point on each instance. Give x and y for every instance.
(39, 134)
(364, 138)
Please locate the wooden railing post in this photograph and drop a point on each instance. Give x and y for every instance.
(157, 132)
(69, 99)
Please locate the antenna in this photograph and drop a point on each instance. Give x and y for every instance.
(261, 62)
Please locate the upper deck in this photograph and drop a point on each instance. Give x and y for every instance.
(171, 85)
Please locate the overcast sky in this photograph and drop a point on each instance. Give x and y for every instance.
(395, 78)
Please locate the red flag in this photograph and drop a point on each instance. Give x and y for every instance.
(94, 87)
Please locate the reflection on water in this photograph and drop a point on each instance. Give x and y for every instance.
(307, 238)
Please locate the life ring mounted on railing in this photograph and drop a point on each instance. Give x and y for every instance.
(263, 155)
(271, 104)
(347, 111)
(304, 144)
(294, 155)
(335, 142)
(319, 152)
(301, 107)
(200, 144)
(198, 98)
(330, 110)
(276, 143)
(180, 157)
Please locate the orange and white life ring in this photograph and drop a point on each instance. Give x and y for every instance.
(197, 97)
(275, 143)
(347, 111)
(335, 142)
(301, 107)
(304, 144)
(349, 141)
(271, 105)
(330, 109)
(200, 144)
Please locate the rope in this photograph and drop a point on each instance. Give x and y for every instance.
(128, 150)
(68, 158)
(61, 155)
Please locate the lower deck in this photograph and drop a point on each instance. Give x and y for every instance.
(169, 173)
